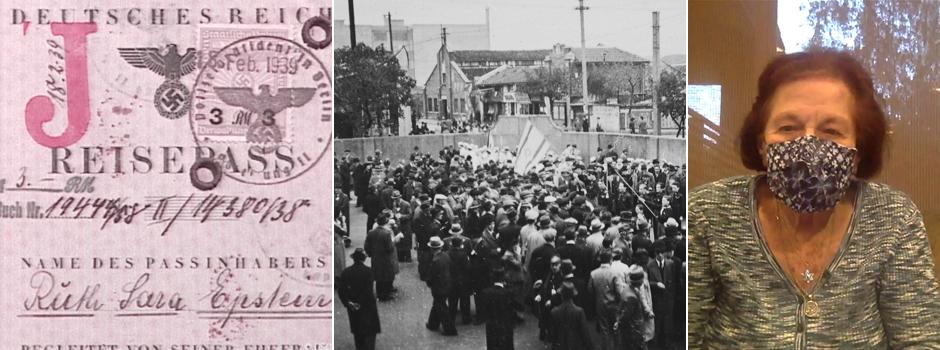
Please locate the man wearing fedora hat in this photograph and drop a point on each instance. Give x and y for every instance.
(596, 239)
(570, 323)
(641, 237)
(661, 278)
(456, 237)
(355, 292)
(631, 320)
(500, 314)
(441, 283)
(459, 298)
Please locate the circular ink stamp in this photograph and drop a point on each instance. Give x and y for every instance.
(263, 106)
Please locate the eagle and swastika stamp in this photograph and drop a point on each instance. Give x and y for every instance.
(172, 98)
(249, 100)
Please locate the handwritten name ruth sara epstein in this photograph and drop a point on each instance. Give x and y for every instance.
(51, 294)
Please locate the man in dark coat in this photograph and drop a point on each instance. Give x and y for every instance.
(441, 283)
(456, 247)
(355, 292)
(641, 238)
(344, 168)
(542, 256)
(380, 246)
(570, 250)
(631, 321)
(426, 227)
(547, 297)
(401, 209)
(570, 323)
(662, 287)
(387, 190)
(584, 263)
(480, 271)
(371, 205)
(508, 232)
(500, 314)
(580, 211)
(362, 174)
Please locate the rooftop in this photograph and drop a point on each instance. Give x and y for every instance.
(604, 54)
(499, 55)
(674, 60)
(506, 75)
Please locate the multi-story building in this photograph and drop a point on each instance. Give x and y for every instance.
(466, 68)
(596, 57)
(447, 90)
(484, 84)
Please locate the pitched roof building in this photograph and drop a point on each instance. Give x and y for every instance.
(475, 63)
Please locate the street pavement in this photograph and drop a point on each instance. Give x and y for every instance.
(404, 317)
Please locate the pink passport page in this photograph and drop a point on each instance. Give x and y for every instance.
(165, 175)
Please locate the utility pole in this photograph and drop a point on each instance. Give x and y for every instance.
(440, 75)
(393, 106)
(584, 89)
(655, 112)
(450, 77)
(391, 44)
(352, 25)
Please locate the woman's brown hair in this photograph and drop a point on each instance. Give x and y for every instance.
(870, 120)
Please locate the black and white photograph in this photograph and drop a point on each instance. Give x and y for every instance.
(510, 174)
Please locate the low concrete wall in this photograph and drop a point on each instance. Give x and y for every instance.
(400, 147)
(507, 133)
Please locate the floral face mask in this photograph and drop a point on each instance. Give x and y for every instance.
(809, 174)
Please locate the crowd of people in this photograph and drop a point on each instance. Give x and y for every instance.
(580, 242)
(452, 127)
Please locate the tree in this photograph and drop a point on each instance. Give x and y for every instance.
(371, 90)
(546, 82)
(615, 81)
(672, 97)
(899, 43)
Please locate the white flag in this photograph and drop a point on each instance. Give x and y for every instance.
(532, 148)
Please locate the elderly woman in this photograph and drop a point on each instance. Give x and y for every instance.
(809, 254)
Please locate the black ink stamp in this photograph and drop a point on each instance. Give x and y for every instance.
(262, 104)
(172, 98)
